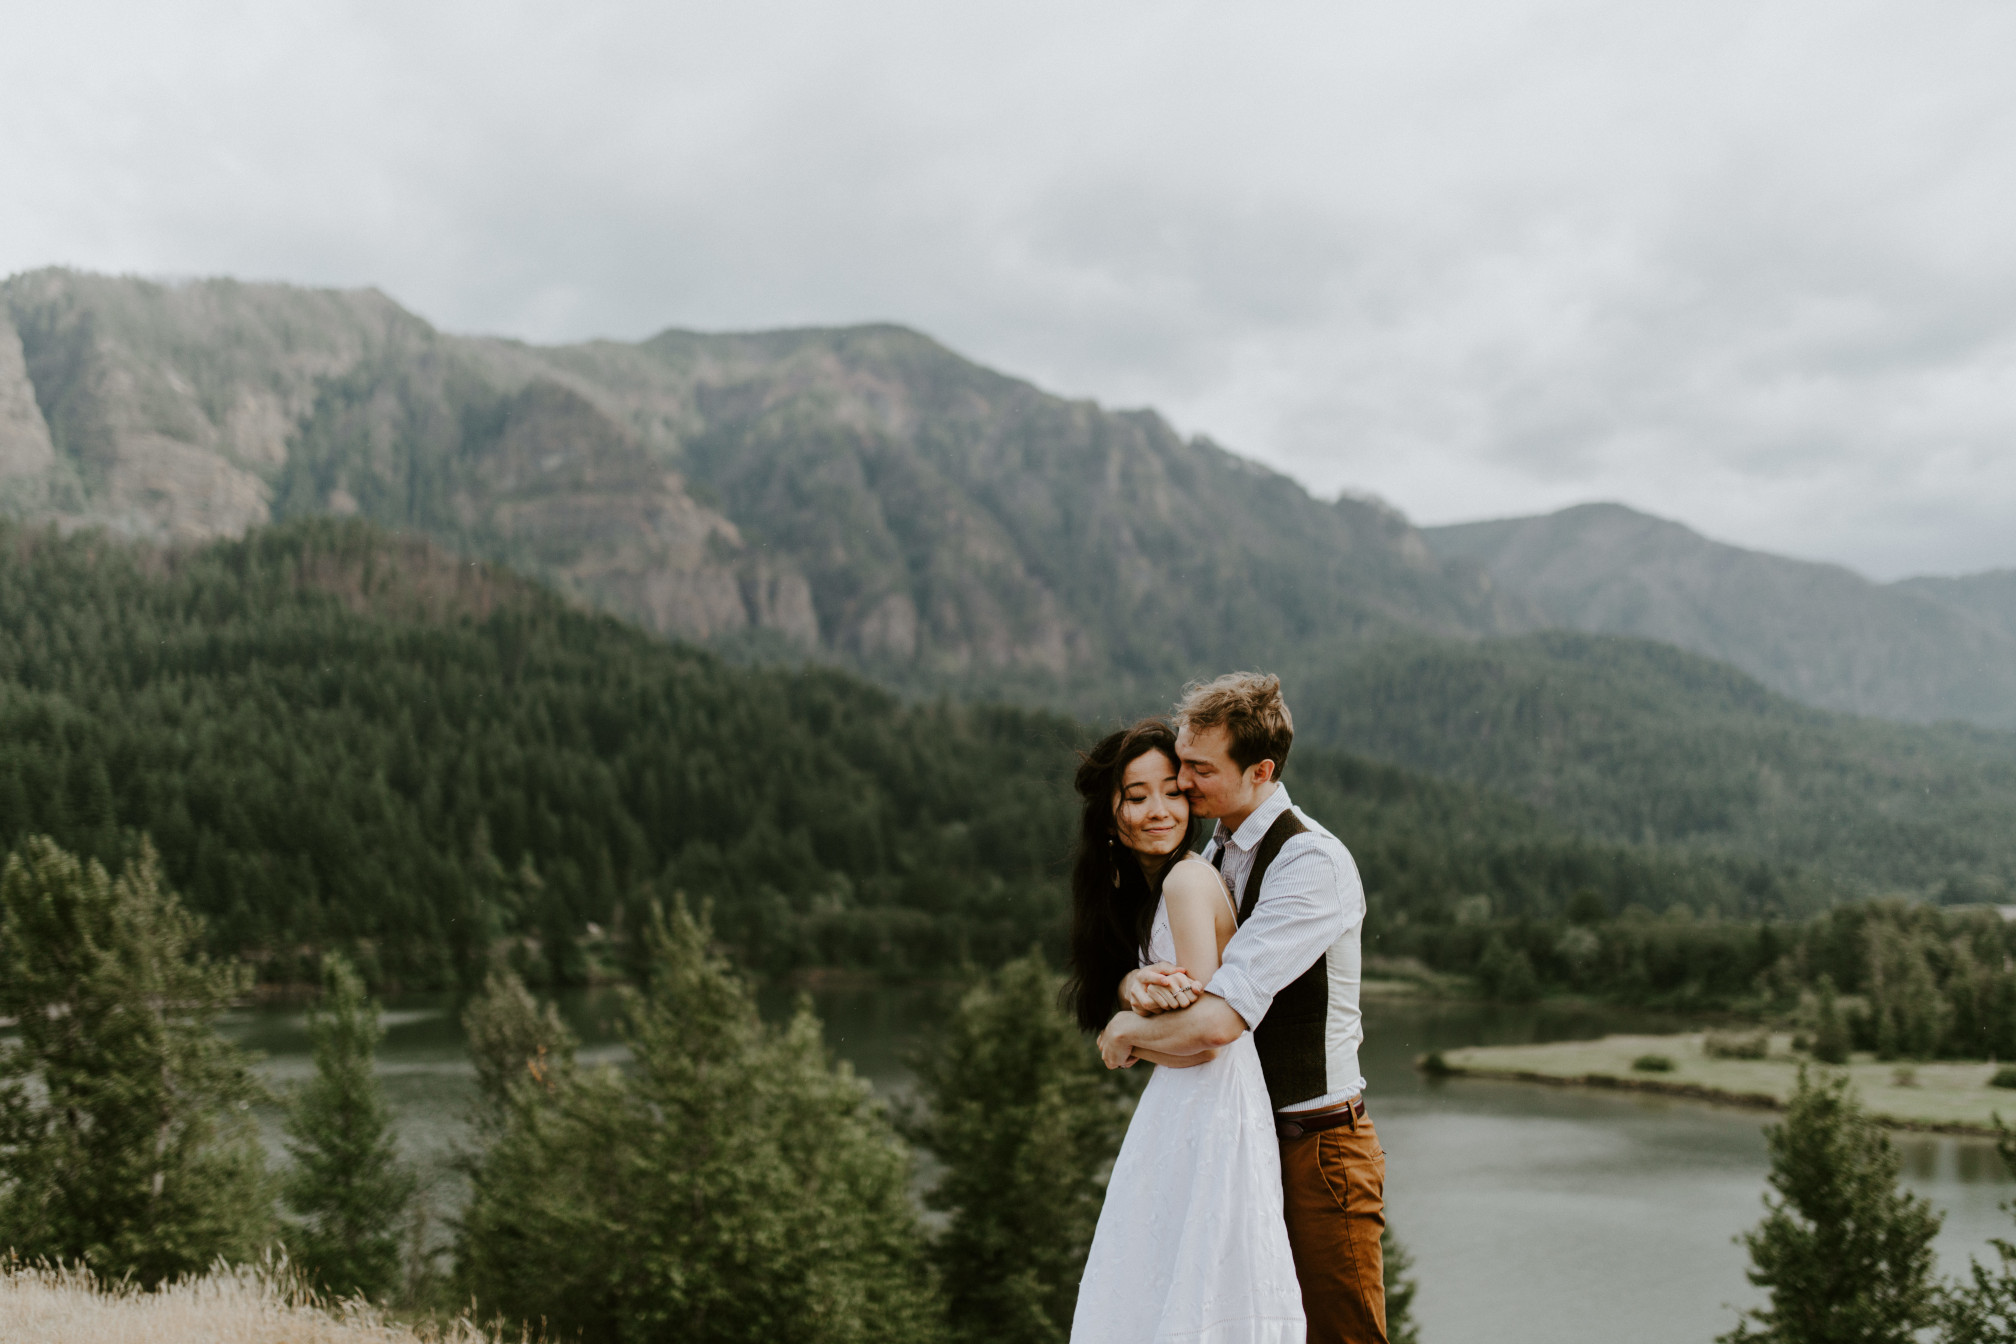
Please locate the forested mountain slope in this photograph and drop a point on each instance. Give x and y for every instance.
(1640, 741)
(336, 737)
(860, 494)
(340, 738)
(1921, 650)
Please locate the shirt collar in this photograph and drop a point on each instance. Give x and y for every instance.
(1254, 827)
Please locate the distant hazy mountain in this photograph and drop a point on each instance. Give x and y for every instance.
(863, 493)
(1989, 598)
(1921, 650)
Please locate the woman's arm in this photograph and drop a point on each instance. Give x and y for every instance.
(1199, 917)
(1208, 1024)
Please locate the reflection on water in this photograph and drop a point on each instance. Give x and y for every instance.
(1534, 1213)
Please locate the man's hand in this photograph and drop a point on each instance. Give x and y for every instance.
(1160, 988)
(1118, 1050)
(1114, 1047)
(1162, 1061)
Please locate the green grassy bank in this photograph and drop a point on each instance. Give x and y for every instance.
(1945, 1096)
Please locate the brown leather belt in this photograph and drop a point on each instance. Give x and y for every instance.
(1296, 1124)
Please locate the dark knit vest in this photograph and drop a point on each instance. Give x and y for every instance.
(1290, 1039)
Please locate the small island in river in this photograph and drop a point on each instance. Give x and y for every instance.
(1946, 1096)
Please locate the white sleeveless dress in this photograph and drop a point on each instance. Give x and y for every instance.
(1191, 1244)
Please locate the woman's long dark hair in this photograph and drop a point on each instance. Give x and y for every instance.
(1110, 921)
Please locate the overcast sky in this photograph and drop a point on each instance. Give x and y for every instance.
(1748, 265)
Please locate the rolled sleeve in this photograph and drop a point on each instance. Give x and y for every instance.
(1233, 985)
(1310, 900)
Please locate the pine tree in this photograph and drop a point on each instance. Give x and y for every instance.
(1401, 1327)
(1506, 973)
(513, 1042)
(1846, 1255)
(1830, 1033)
(126, 1136)
(1982, 1308)
(731, 1186)
(1026, 1121)
(1829, 1030)
(1911, 1016)
(348, 1186)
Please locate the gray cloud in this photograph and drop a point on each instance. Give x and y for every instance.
(1743, 265)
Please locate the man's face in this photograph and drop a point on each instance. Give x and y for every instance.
(1212, 780)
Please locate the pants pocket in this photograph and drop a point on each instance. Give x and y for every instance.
(1353, 1167)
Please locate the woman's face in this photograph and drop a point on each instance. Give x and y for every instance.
(1151, 814)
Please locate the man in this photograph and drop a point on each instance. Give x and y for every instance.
(1291, 974)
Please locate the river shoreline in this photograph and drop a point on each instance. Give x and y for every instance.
(1934, 1097)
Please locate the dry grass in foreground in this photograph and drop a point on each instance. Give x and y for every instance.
(247, 1305)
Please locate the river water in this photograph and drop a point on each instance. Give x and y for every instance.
(1533, 1213)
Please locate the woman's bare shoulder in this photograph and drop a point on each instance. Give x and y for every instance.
(1194, 878)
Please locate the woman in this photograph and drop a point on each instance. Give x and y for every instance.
(1191, 1245)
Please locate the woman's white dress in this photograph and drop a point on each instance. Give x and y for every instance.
(1191, 1245)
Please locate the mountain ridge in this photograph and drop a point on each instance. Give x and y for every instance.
(858, 494)
(865, 496)
(1920, 651)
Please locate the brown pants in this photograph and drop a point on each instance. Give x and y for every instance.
(1335, 1184)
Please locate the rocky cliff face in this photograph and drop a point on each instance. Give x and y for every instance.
(863, 493)
(166, 410)
(26, 455)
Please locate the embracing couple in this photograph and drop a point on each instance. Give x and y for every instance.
(1247, 1201)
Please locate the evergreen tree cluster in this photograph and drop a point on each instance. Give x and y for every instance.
(730, 1182)
(126, 1137)
(127, 1142)
(348, 1186)
(1023, 1120)
(1844, 1254)
(1902, 980)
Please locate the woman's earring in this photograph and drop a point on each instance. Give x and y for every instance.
(1113, 852)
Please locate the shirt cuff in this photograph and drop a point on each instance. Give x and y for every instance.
(1246, 999)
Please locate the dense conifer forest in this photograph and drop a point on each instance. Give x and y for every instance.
(341, 740)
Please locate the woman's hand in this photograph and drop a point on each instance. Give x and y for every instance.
(1159, 988)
